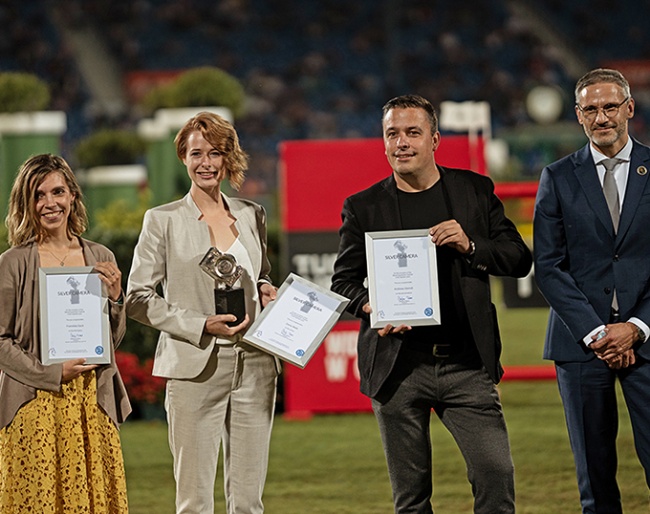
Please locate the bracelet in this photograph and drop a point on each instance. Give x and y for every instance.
(119, 301)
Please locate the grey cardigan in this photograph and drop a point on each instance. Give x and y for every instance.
(21, 371)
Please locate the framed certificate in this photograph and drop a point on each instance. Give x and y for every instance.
(402, 278)
(74, 315)
(293, 326)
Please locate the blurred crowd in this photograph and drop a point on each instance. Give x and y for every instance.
(324, 68)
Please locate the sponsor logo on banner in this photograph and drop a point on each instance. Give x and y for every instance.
(341, 355)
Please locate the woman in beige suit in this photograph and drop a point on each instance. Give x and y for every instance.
(221, 391)
(59, 444)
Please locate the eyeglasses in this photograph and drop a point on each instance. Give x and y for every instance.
(610, 110)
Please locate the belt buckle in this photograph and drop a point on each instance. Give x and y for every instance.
(441, 350)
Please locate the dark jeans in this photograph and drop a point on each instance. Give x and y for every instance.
(467, 403)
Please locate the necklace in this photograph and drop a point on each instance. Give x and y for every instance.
(61, 260)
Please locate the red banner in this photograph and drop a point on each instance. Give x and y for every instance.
(316, 177)
(330, 381)
(138, 83)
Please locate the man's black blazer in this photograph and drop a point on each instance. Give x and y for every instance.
(500, 251)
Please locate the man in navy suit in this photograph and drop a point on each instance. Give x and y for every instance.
(452, 367)
(592, 264)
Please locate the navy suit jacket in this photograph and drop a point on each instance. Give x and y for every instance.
(500, 250)
(580, 261)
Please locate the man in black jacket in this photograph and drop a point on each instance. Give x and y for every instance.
(452, 367)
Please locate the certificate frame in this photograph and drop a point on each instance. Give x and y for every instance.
(407, 296)
(74, 322)
(275, 327)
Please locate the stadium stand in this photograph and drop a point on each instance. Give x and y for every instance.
(323, 69)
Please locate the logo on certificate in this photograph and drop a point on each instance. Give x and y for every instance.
(300, 352)
(307, 306)
(402, 261)
(428, 312)
(74, 292)
(99, 350)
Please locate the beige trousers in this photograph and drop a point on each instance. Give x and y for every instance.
(231, 403)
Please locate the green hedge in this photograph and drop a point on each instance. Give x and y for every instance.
(110, 147)
(23, 92)
(199, 87)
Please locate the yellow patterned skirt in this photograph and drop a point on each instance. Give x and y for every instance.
(61, 454)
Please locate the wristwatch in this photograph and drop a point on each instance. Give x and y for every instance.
(472, 248)
(641, 334)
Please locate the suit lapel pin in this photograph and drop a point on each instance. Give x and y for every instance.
(642, 170)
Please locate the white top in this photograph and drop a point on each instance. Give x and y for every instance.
(239, 252)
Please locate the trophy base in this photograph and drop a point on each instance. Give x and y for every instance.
(231, 301)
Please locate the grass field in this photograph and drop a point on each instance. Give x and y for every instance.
(334, 464)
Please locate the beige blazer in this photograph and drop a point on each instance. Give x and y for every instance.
(166, 259)
(22, 372)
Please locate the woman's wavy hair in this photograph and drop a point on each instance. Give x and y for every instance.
(23, 223)
(222, 136)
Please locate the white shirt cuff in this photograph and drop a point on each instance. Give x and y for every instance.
(588, 338)
(642, 326)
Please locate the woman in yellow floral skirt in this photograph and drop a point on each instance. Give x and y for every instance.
(60, 449)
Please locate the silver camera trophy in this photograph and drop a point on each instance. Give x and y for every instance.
(223, 268)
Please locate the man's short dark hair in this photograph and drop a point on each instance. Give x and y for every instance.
(416, 101)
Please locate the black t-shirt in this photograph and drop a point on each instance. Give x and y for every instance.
(424, 209)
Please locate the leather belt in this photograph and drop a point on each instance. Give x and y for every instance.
(439, 351)
(443, 351)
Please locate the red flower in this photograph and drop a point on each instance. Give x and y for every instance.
(139, 382)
